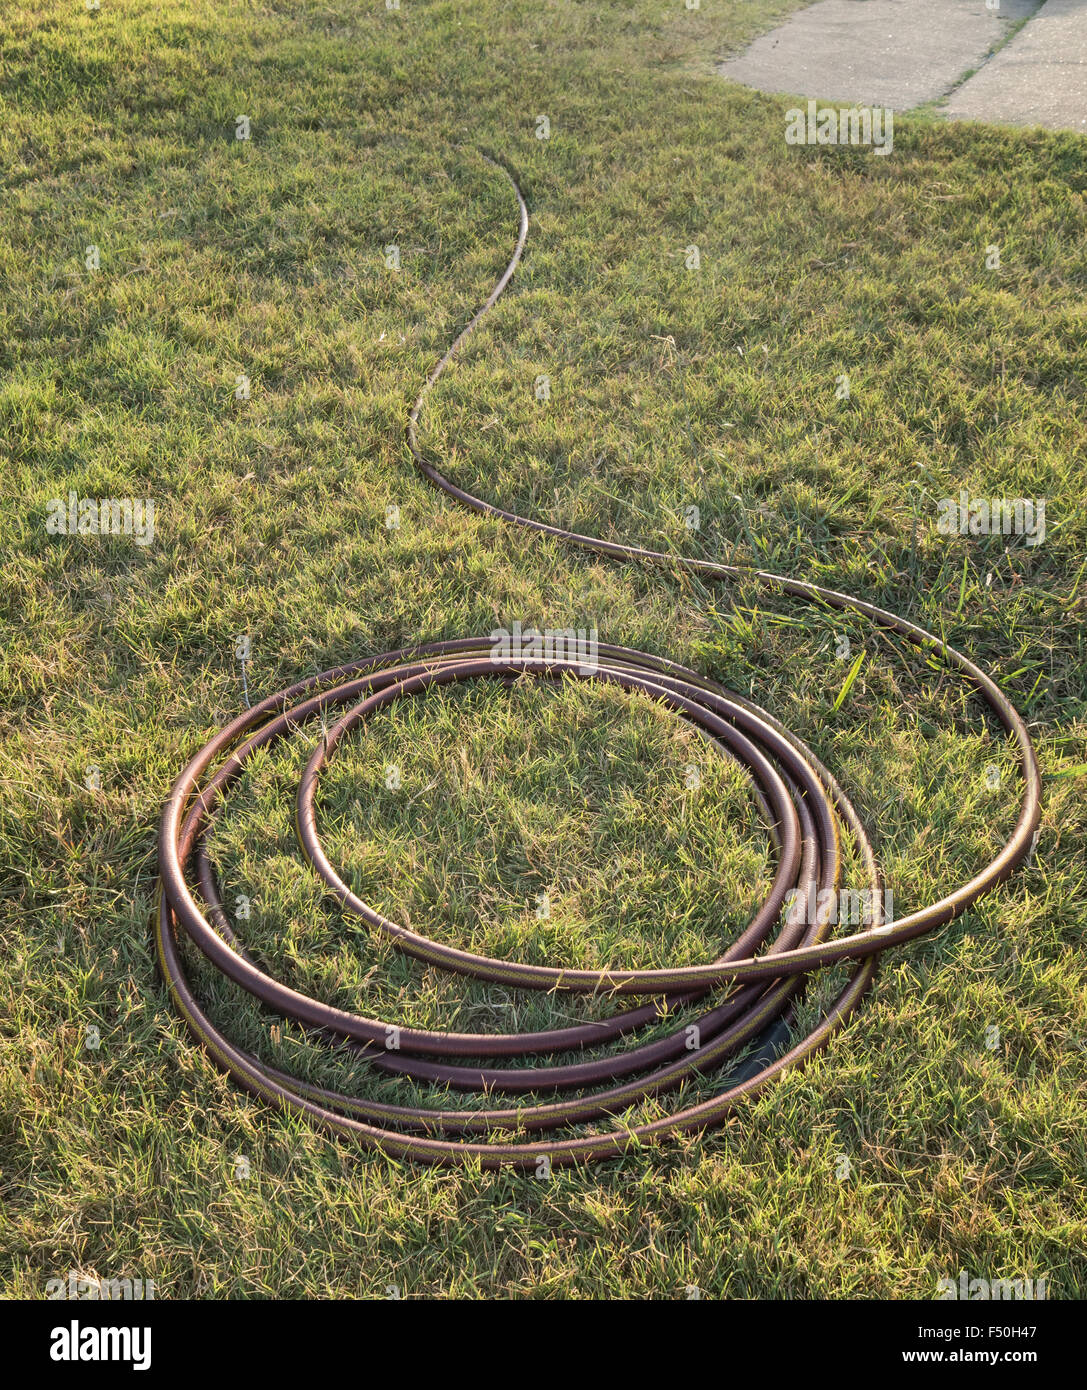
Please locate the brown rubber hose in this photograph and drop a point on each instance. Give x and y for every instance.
(757, 981)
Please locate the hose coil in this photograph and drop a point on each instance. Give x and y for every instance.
(757, 982)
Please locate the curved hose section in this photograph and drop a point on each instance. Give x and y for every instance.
(746, 998)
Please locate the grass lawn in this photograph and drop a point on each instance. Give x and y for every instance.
(958, 1093)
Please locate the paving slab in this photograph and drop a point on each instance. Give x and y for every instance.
(1038, 78)
(895, 53)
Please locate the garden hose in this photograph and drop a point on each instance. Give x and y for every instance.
(582, 1088)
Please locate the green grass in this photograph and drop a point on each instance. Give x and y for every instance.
(669, 388)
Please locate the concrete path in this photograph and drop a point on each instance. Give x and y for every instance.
(903, 53)
(1039, 78)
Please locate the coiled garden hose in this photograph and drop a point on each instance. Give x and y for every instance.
(753, 987)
